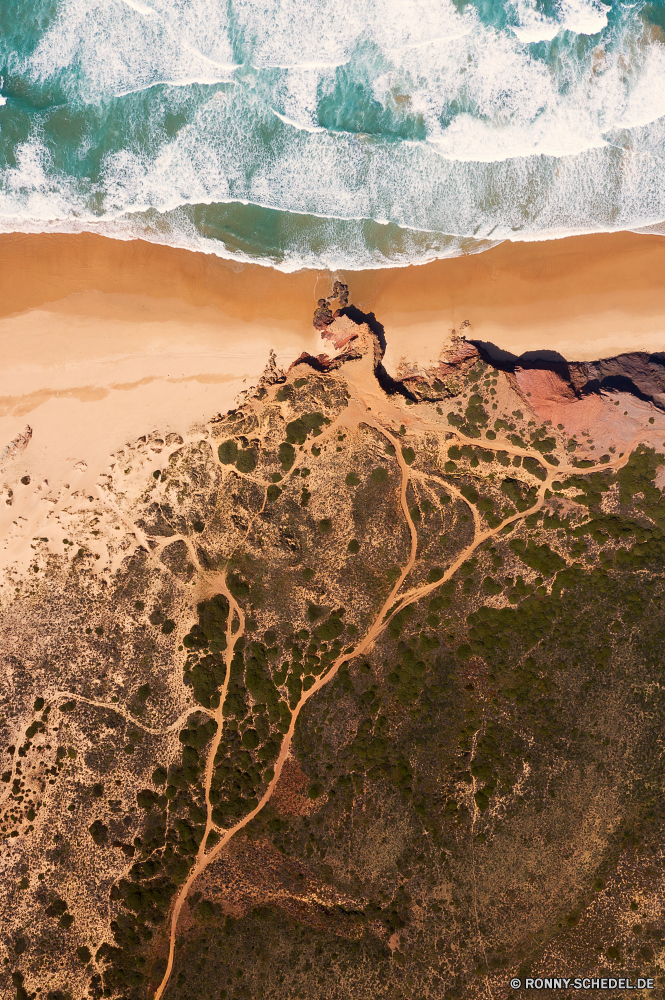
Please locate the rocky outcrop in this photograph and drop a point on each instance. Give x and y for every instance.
(640, 374)
(15, 447)
(544, 382)
(328, 309)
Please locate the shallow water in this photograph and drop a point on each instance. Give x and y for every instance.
(315, 133)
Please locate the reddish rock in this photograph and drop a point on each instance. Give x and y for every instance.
(544, 387)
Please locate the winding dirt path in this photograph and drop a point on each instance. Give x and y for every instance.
(391, 606)
(112, 707)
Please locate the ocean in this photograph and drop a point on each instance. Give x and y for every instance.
(314, 133)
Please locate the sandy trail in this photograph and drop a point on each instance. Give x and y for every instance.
(356, 413)
(203, 859)
(112, 707)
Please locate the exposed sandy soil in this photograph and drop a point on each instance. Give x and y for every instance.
(105, 340)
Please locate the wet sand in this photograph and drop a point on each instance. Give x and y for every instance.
(103, 340)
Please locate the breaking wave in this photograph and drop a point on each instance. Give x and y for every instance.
(313, 134)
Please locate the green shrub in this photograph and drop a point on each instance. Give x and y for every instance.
(380, 475)
(98, 831)
(533, 466)
(210, 631)
(325, 526)
(159, 776)
(259, 682)
(313, 421)
(538, 557)
(474, 413)
(238, 587)
(353, 546)
(329, 630)
(246, 461)
(250, 739)
(228, 452)
(519, 494)
(272, 493)
(286, 455)
(352, 479)
(543, 444)
(409, 455)
(57, 907)
(481, 800)
(296, 432)
(468, 492)
(146, 799)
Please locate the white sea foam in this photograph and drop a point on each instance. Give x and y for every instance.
(99, 49)
(579, 16)
(517, 144)
(141, 8)
(299, 125)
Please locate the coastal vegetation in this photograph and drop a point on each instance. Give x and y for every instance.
(405, 695)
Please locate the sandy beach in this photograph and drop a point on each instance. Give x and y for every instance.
(103, 341)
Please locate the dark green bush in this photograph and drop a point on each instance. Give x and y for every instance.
(533, 466)
(296, 431)
(228, 452)
(286, 455)
(474, 413)
(250, 739)
(468, 492)
(99, 832)
(57, 907)
(538, 557)
(146, 798)
(238, 587)
(329, 630)
(246, 461)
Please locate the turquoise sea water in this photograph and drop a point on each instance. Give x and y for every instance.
(318, 133)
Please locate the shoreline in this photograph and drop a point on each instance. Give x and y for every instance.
(584, 297)
(104, 340)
